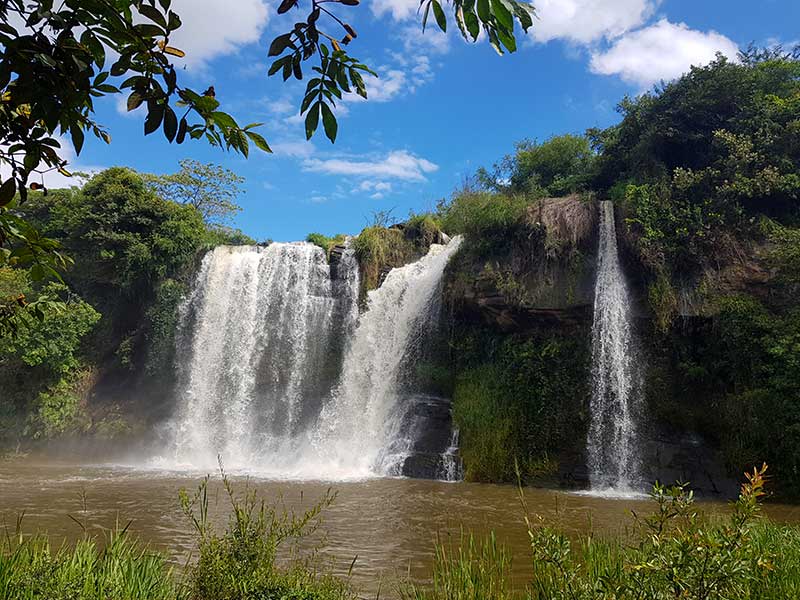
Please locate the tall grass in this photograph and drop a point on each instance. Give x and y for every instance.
(121, 570)
(678, 555)
(471, 570)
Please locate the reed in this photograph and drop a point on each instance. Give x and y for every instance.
(120, 569)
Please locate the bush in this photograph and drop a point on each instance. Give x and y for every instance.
(241, 563)
(489, 222)
(377, 248)
(54, 340)
(325, 242)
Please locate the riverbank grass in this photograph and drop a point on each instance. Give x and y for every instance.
(676, 553)
(122, 569)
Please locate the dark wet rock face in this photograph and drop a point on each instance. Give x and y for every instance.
(428, 425)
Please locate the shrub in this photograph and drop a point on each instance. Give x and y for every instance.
(241, 563)
(489, 222)
(59, 408)
(325, 242)
(379, 247)
(518, 400)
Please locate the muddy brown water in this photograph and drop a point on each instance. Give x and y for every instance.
(389, 526)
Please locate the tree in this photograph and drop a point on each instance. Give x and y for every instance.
(211, 189)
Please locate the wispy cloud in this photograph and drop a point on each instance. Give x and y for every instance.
(398, 164)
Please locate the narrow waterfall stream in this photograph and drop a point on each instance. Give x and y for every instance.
(279, 374)
(613, 445)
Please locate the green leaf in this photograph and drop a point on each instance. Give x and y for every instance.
(279, 44)
(507, 39)
(152, 13)
(76, 133)
(503, 15)
(494, 41)
(473, 26)
(7, 191)
(259, 141)
(135, 101)
(329, 122)
(224, 119)
(285, 6)
(170, 123)
(154, 117)
(483, 11)
(182, 128)
(312, 120)
(441, 21)
(524, 16)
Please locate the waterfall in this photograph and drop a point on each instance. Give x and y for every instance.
(254, 345)
(452, 469)
(361, 429)
(613, 445)
(279, 374)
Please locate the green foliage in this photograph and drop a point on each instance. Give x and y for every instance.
(222, 235)
(58, 409)
(379, 247)
(473, 569)
(664, 302)
(241, 563)
(489, 222)
(211, 189)
(339, 73)
(560, 166)
(325, 242)
(120, 568)
(754, 357)
(706, 154)
(53, 341)
(785, 252)
(518, 400)
(162, 323)
(126, 240)
(676, 552)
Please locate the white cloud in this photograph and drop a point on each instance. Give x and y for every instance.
(293, 148)
(399, 9)
(587, 21)
(212, 28)
(662, 51)
(375, 189)
(385, 87)
(53, 179)
(398, 164)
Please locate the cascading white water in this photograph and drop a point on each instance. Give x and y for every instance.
(613, 445)
(256, 351)
(360, 430)
(252, 348)
(452, 468)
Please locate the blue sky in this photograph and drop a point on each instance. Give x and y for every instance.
(441, 107)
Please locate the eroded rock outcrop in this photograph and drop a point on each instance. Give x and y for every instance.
(546, 278)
